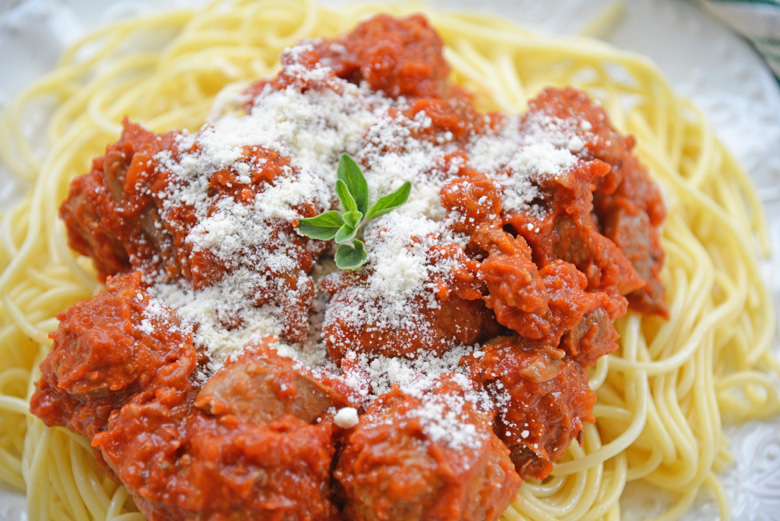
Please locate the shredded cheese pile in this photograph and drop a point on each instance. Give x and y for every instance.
(312, 122)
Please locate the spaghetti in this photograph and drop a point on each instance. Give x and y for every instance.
(660, 397)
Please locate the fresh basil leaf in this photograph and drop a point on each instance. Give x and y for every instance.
(390, 202)
(324, 226)
(352, 219)
(347, 201)
(351, 257)
(346, 233)
(349, 172)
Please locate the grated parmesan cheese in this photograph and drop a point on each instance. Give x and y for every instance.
(400, 279)
(311, 123)
(346, 417)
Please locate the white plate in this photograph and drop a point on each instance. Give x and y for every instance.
(703, 60)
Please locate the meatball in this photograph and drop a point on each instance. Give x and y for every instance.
(190, 466)
(122, 215)
(632, 232)
(103, 355)
(402, 57)
(437, 328)
(261, 386)
(626, 208)
(110, 218)
(431, 303)
(544, 400)
(392, 467)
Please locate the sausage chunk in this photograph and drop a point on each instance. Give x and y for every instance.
(545, 400)
(433, 305)
(392, 467)
(261, 386)
(106, 350)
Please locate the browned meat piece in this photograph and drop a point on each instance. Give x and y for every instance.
(514, 285)
(110, 215)
(402, 57)
(392, 469)
(88, 232)
(437, 329)
(457, 316)
(591, 338)
(102, 356)
(120, 372)
(540, 305)
(544, 401)
(184, 466)
(625, 187)
(565, 230)
(241, 472)
(260, 386)
(636, 237)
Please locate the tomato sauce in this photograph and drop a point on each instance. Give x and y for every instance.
(260, 440)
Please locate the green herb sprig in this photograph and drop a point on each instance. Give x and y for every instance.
(345, 227)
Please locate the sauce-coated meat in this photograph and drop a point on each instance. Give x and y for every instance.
(101, 357)
(118, 214)
(458, 316)
(441, 373)
(260, 386)
(391, 469)
(399, 57)
(567, 231)
(549, 399)
(131, 391)
(623, 190)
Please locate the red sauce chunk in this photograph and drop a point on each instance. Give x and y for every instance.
(230, 371)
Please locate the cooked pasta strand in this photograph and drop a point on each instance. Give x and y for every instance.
(661, 395)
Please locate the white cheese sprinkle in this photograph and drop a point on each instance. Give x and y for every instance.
(309, 124)
(521, 152)
(346, 417)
